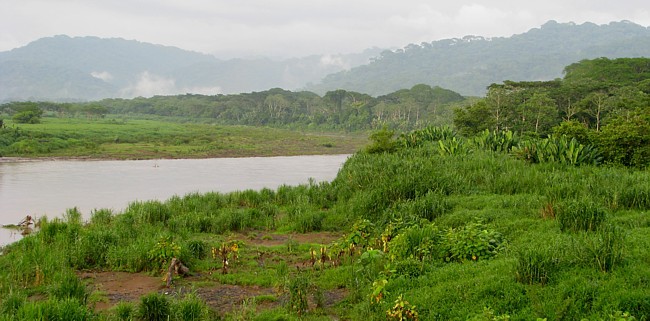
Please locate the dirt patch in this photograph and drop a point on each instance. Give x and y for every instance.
(121, 286)
(115, 287)
(268, 239)
(222, 298)
(225, 298)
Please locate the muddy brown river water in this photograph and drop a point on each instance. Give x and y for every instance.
(49, 187)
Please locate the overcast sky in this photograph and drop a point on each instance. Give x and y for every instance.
(285, 28)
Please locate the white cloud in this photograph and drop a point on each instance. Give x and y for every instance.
(334, 60)
(149, 84)
(103, 75)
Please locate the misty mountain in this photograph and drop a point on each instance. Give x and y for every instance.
(470, 64)
(62, 68)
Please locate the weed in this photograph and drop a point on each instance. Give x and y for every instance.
(580, 215)
(154, 307)
(535, 265)
(402, 310)
(124, 311)
(190, 308)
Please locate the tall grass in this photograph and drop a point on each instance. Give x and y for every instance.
(154, 307)
(580, 215)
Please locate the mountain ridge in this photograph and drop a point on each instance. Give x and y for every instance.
(63, 68)
(60, 68)
(468, 65)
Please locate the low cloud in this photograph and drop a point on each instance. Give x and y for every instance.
(149, 84)
(335, 61)
(103, 75)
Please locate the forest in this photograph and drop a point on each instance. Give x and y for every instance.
(532, 206)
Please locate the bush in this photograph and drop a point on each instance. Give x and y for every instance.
(382, 142)
(198, 249)
(154, 307)
(190, 308)
(417, 243)
(471, 242)
(27, 117)
(535, 265)
(124, 311)
(70, 287)
(603, 249)
(580, 215)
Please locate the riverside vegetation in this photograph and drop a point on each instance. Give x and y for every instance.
(534, 208)
(117, 137)
(433, 227)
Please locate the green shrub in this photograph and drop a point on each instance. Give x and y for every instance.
(472, 242)
(65, 309)
(603, 249)
(417, 242)
(190, 308)
(535, 264)
(454, 146)
(69, 286)
(416, 138)
(92, 247)
(309, 221)
(298, 287)
(12, 302)
(636, 303)
(101, 217)
(636, 193)
(580, 215)
(501, 141)
(429, 206)
(198, 249)
(154, 307)
(557, 150)
(382, 142)
(124, 311)
(149, 212)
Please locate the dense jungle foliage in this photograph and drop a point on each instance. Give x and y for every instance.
(601, 102)
(339, 109)
(434, 227)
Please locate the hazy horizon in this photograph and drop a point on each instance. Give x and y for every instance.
(288, 28)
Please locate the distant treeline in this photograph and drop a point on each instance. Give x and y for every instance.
(340, 109)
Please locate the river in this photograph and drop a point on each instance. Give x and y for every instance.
(49, 187)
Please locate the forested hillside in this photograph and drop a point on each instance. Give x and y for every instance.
(62, 68)
(470, 64)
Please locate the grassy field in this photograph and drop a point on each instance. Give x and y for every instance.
(118, 138)
(421, 232)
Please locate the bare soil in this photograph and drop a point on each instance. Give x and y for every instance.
(115, 287)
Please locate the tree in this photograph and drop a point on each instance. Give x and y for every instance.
(626, 140)
(25, 112)
(474, 119)
(596, 105)
(543, 112)
(27, 117)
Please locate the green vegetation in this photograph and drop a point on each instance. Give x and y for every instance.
(121, 138)
(336, 110)
(601, 104)
(427, 234)
(536, 208)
